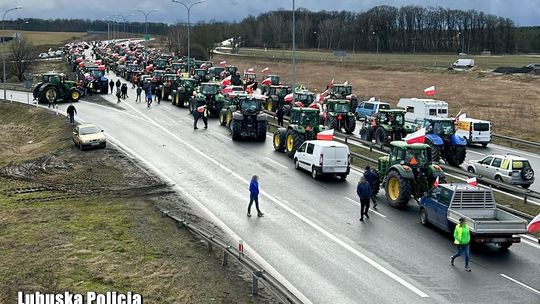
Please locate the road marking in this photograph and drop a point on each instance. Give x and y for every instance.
(324, 232)
(519, 152)
(370, 210)
(474, 152)
(114, 109)
(535, 245)
(521, 284)
(216, 220)
(276, 163)
(529, 238)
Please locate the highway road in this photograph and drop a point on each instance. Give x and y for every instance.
(310, 235)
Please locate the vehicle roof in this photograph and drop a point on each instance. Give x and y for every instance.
(327, 143)
(439, 119)
(395, 110)
(403, 144)
(473, 120)
(462, 187)
(375, 102)
(304, 109)
(85, 125)
(211, 83)
(427, 101)
(508, 156)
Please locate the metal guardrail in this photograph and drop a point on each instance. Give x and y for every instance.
(257, 272)
(517, 140)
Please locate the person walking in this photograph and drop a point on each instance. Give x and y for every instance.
(71, 111)
(280, 113)
(373, 179)
(139, 91)
(200, 111)
(158, 93)
(364, 193)
(118, 95)
(462, 238)
(148, 94)
(111, 85)
(118, 84)
(124, 89)
(254, 196)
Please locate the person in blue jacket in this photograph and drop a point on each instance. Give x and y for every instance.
(364, 192)
(254, 196)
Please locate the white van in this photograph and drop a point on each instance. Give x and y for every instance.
(323, 157)
(419, 109)
(463, 64)
(474, 131)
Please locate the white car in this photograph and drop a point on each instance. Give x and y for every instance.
(509, 169)
(43, 55)
(323, 157)
(89, 136)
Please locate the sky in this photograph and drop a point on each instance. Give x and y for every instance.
(523, 12)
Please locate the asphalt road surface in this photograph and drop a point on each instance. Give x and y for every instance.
(310, 235)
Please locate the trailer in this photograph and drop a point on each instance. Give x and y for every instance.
(419, 109)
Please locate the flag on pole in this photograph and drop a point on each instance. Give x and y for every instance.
(534, 225)
(430, 91)
(472, 181)
(346, 83)
(416, 137)
(226, 81)
(265, 70)
(288, 97)
(249, 88)
(458, 116)
(250, 70)
(227, 90)
(326, 135)
(267, 81)
(436, 183)
(222, 63)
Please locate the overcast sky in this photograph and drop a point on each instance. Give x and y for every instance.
(523, 12)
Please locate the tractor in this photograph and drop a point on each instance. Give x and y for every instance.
(201, 75)
(337, 115)
(161, 63)
(100, 82)
(408, 171)
(184, 91)
(386, 126)
(230, 104)
(213, 96)
(273, 80)
(230, 70)
(249, 78)
(343, 91)
(170, 84)
(54, 87)
(445, 144)
(247, 120)
(304, 124)
(215, 73)
(276, 97)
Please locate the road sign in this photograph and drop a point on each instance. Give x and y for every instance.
(146, 37)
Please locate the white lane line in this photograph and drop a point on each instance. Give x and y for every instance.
(535, 245)
(519, 152)
(216, 220)
(370, 209)
(521, 284)
(529, 237)
(326, 233)
(474, 152)
(276, 163)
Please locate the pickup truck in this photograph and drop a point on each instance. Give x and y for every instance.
(445, 205)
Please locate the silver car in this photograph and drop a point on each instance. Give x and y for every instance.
(509, 169)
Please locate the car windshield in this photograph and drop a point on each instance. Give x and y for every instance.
(384, 106)
(311, 118)
(250, 104)
(209, 89)
(443, 127)
(189, 83)
(201, 72)
(416, 157)
(89, 130)
(305, 98)
(97, 73)
(342, 107)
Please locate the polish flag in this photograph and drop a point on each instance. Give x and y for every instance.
(416, 137)
(222, 63)
(265, 70)
(226, 81)
(430, 91)
(326, 135)
(288, 97)
(250, 70)
(227, 90)
(203, 66)
(472, 181)
(436, 183)
(534, 225)
(267, 81)
(249, 88)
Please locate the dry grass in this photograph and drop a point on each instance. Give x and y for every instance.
(511, 103)
(47, 38)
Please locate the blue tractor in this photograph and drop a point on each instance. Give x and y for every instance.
(445, 144)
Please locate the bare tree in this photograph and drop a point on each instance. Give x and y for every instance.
(23, 54)
(177, 38)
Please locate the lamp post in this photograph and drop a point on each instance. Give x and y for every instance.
(124, 18)
(462, 42)
(146, 19)
(4, 47)
(108, 27)
(375, 34)
(318, 40)
(293, 48)
(188, 8)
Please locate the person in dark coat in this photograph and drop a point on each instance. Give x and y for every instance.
(124, 90)
(254, 196)
(111, 85)
(139, 91)
(118, 84)
(373, 179)
(364, 193)
(280, 113)
(71, 111)
(200, 111)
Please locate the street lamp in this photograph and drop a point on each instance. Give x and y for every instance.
(375, 34)
(188, 8)
(146, 19)
(318, 40)
(124, 18)
(4, 47)
(105, 19)
(293, 49)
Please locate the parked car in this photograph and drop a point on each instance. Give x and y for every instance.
(509, 169)
(89, 136)
(369, 108)
(463, 64)
(43, 56)
(323, 157)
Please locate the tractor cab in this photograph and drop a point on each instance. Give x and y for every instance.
(342, 90)
(274, 79)
(179, 66)
(303, 98)
(279, 91)
(338, 106)
(215, 72)
(441, 126)
(158, 74)
(209, 89)
(249, 105)
(304, 117)
(161, 63)
(52, 78)
(395, 118)
(201, 75)
(249, 77)
(231, 69)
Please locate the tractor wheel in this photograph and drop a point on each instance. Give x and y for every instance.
(456, 155)
(269, 105)
(381, 137)
(293, 141)
(331, 122)
(350, 125)
(435, 151)
(398, 190)
(279, 139)
(174, 98)
(75, 95)
(261, 131)
(222, 120)
(236, 129)
(366, 133)
(49, 93)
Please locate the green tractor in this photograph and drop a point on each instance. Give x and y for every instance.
(213, 96)
(274, 80)
(248, 121)
(230, 105)
(338, 115)
(386, 126)
(343, 91)
(170, 84)
(408, 171)
(55, 87)
(304, 124)
(276, 97)
(184, 92)
(201, 75)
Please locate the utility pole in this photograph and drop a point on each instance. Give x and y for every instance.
(377, 36)
(4, 47)
(318, 40)
(188, 8)
(293, 48)
(146, 20)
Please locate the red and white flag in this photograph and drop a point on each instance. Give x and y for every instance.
(226, 81)
(430, 91)
(288, 97)
(326, 135)
(250, 70)
(267, 81)
(436, 183)
(534, 225)
(418, 137)
(227, 90)
(265, 70)
(472, 181)
(222, 63)
(249, 88)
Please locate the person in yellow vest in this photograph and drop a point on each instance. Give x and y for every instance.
(462, 238)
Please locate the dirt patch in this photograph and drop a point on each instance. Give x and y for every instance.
(83, 221)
